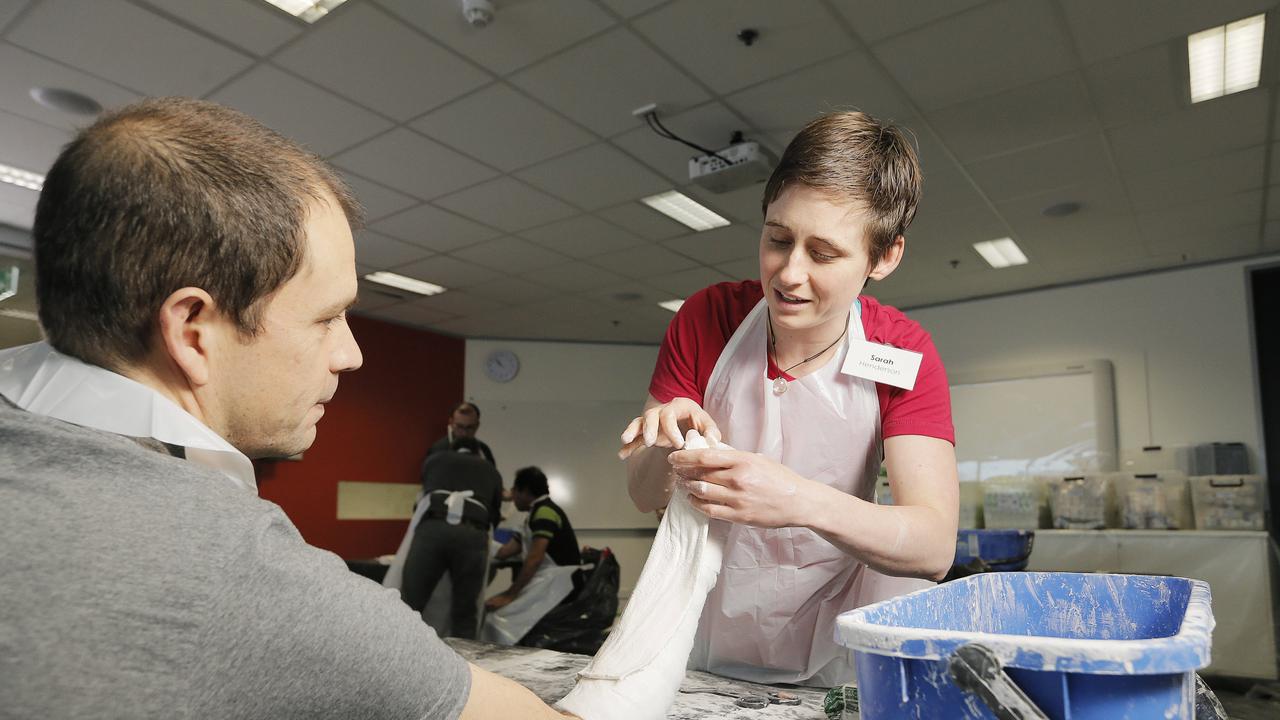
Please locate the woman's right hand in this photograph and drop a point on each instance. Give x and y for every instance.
(665, 425)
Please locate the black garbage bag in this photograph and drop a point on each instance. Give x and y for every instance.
(580, 625)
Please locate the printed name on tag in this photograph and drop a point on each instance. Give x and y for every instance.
(882, 364)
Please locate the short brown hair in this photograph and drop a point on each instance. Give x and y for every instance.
(164, 194)
(853, 155)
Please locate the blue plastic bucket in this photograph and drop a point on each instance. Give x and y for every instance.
(1078, 646)
(1003, 550)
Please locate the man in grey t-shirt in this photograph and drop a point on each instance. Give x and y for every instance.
(193, 272)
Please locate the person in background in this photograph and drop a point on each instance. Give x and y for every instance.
(813, 384)
(193, 274)
(464, 496)
(464, 422)
(550, 574)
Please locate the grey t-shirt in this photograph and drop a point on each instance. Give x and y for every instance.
(134, 584)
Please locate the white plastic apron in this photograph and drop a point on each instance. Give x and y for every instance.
(550, 585)
(771, 617)
(436, 611)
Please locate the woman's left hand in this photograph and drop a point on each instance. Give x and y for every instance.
(741, 487)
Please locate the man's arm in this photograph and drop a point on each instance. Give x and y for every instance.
(537, 550)
(493, 697)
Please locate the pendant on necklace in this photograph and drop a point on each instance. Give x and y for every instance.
(779, 385)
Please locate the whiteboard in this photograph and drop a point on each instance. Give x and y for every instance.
(1056, 419)
(576, 445)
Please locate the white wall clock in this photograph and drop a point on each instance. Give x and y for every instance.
(501, 366)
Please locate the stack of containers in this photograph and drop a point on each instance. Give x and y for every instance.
(1014, 503)
(1155, 501)
(1157, 458)
(1221, 458)
(1085, 502)
(970, 505)
(1230, 502)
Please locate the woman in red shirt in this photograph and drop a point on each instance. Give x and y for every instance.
(812, 385)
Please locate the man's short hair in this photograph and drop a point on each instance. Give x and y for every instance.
(856, 158)
(467, 407)
(466, 444)
(531, 480)
(165, 194)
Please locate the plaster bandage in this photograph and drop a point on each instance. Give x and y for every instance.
(638, 671)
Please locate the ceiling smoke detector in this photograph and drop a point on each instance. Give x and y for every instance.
(477, 12)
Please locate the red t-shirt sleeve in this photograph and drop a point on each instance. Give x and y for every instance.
(926, 408)
(697, 335)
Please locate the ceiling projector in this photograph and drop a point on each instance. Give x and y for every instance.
(740, 165)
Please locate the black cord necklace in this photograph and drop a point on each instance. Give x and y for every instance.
(780, 383)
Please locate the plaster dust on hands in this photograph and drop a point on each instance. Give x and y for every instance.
(637, 672)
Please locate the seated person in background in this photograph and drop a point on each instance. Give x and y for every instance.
(464, 422)
(464, 492)
(193, 273)
(548, 539)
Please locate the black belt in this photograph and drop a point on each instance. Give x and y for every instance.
(443, 515)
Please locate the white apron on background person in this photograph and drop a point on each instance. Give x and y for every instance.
(549, 586)
(771, 617)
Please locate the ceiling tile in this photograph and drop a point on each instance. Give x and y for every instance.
(1271, 236)
(316, 118)
(1104, 225)
(684, 283)
(29, 145)
(875, 20)
(594, 177)
(643, 221)
(1049, 110)
(573, 277)
(431, 227)
(717, 246)
(710, 125)
(10, 10)
(1224, 174)
(582, 237)
(947, 186)
(381, 252)
(18, 207)
(1273, 171)
(250, 25)
(522, 31)
(450, 272)
(701, 35)
(849, 82)
(24, 71)
(744, 269)
(373, 296)
(594, 69)
(1067, 162)
(631, 8)
(413, 164)
(507, 204)
(1201, 217)
(461, 302)
(411, 313)
(642, 262)
(1212, 244)
(364, 54)
(378, 201)
(742, 204)
(502, 128)
(1193, 133)
(510, 290)
(936, 238)
(510, 255)
(1137, 86)
(973, 53)
(128, 45)
(1104, 28)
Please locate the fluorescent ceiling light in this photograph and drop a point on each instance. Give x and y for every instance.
(306, 10)
(672, 305)
(1226, 59)
(685, 211)
(1000, 253)
(21, 178)
(401, 282)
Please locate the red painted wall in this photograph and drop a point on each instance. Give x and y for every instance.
(376, 429)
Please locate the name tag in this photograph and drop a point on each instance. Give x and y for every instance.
(882, 364)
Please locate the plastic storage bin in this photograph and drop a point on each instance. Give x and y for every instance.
(1155, 501)
(1014, 503)
(1159, 458)
(1235, 502)
(1221, 459)
(1083, 502)
(1001, 550)
(970, 505)
(1074, 646)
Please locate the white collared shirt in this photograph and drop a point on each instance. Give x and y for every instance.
(42, 380)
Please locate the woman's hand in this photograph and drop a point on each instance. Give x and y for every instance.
(665, 425)
(741, 487)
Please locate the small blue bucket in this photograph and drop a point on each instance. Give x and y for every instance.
(1066, 646)
(1002, 550)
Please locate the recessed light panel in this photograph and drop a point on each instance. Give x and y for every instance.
(1226, 59)
(672, 305)
(306, 10)
(1001, 253)
(21, 178)
(401, 282)
(685, 210)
